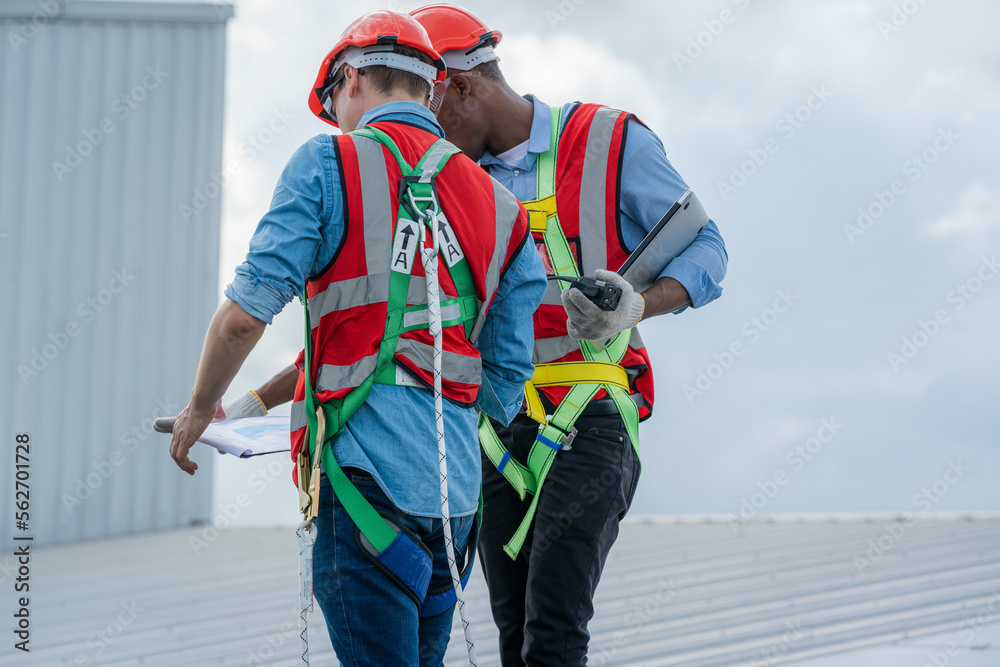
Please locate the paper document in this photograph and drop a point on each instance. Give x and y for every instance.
(249, 437)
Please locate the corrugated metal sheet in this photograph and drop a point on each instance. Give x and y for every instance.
(700, 594)
(685, 591)
(110, 119)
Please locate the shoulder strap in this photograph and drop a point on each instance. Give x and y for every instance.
(546, 175)
(417, 191)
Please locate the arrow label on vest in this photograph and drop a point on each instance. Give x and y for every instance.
(449, 243)
(403, 247)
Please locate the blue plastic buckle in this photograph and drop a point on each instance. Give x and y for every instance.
(565, 442)
(503, 462)
(548, 443)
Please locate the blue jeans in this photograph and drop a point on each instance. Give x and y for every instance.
(371, 620)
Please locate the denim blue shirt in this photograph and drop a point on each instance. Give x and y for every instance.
(650, 186)
(296, 238)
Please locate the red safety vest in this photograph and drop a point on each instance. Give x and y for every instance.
(588, 188)
(348, 301)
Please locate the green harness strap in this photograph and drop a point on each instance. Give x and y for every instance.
(559, 431)
(420, 195)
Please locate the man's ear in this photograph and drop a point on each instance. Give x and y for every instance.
(352, 80)
(462, 85)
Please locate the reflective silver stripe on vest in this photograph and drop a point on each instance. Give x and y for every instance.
(635, 340)
(507, 210)
(379, 211)
(553, 294)
(477, 326)
(593, 187)
(454, 367)
(331, 378)
(415, 317)
(347, 294)
(431, 163)
(298, 417)
(548, 350)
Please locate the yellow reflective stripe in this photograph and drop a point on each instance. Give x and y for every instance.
(533, 404)
(580, 372)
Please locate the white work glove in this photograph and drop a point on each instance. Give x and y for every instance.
(247, 405)
(585, 321)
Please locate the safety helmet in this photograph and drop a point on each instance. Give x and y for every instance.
(370, 41)
(461, 37)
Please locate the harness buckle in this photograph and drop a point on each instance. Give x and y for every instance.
(568, 438)
(565, 441)
(409, 201)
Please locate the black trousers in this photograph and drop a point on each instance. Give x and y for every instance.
(543, 601)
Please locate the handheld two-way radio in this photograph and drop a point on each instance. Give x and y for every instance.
(675, 231)
(602, 294)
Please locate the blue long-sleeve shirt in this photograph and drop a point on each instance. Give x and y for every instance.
(649, 187)
(296, 238)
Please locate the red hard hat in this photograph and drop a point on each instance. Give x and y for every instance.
(382, 28)
(454, 28)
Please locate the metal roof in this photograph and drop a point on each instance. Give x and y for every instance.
(108, 129)
(124, 10)
(688, 591)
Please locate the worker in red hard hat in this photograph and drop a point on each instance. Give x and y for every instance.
(359, 226)
(558, 480)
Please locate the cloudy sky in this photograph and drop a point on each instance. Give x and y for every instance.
(846, 150)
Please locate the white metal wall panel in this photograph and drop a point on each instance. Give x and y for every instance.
(110, 118)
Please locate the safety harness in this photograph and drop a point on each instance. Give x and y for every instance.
(397, 551)
(601, 369)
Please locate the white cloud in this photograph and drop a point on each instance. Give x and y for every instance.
(974, 216)
(565, 67)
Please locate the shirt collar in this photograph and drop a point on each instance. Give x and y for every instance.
(405, 112)
(540, 137)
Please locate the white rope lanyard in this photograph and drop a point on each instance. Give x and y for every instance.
(430, 261)
(307, 537)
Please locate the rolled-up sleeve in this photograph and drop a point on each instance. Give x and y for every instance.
(507, 339)
(701, 267)
(296, 230)
(650, 186)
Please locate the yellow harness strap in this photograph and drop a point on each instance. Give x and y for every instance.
(580, 372)
(533, 403)
(569, 373)
(539, 212)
